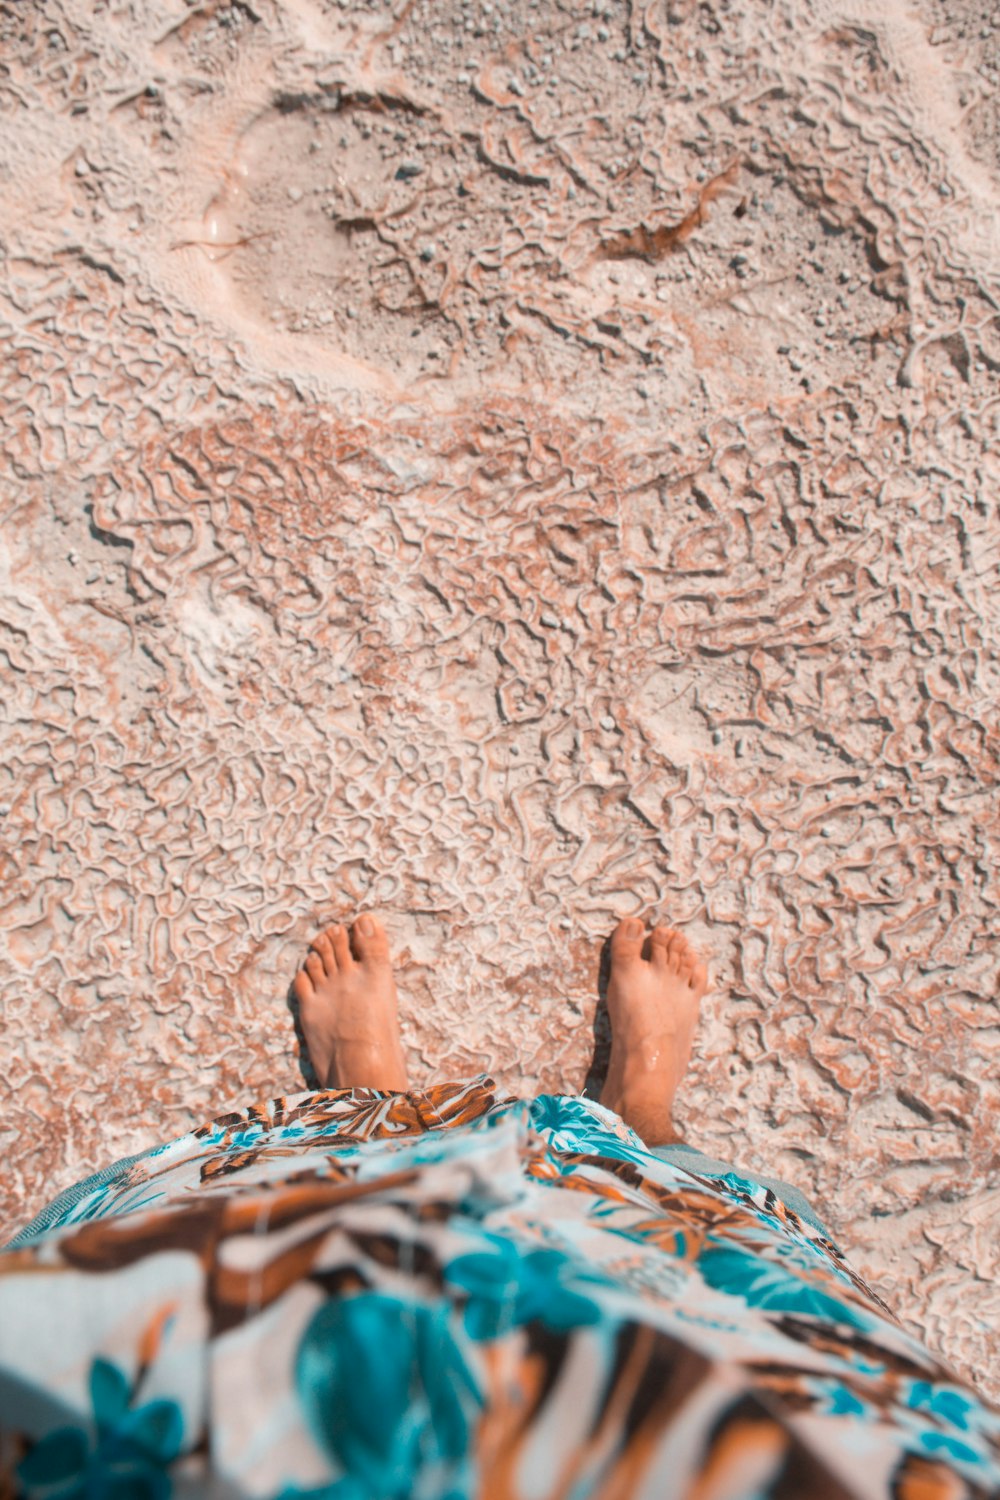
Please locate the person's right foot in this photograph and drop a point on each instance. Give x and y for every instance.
(349, 1009)
(653, 1007)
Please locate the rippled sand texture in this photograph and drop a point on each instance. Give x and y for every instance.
(512, 468)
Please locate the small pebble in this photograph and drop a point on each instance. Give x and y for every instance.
(295, 194)
(717, 737)
(515, 749)
(607, 722)
(826, 833)
(82, 167)
(428, 252)
(408, 169)
(549, 620)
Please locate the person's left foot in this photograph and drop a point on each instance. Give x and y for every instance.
(349, 1009)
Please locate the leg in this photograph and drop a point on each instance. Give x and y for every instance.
(349, 1008)
(653, 1005)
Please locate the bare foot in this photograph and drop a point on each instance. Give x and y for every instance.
(653, 1007)
(348, 1004)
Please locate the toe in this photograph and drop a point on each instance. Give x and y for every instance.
(341, 946)
(665, 948)
(315, 969)
(659, 946)
(627, 940)
(370, 940)
(324, 947)
(682, 950)
(678, 950)
(303, 987)
(699, 977)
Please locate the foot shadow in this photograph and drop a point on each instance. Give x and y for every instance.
(305, 1061)
(601, 1058)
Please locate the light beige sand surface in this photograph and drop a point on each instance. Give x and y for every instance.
(511, 467)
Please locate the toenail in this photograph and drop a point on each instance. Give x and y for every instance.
(366, 926)
(633, 927)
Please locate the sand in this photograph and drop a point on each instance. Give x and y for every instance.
(511, 467)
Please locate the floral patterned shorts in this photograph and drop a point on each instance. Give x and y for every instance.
(354, 1295)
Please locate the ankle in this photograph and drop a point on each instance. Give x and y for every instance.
(377, 1065)
(646, 1110)
(645, 1068)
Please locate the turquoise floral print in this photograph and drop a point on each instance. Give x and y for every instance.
(837, 1400)
(943, 1401)
(389, 1395)
(947, 1423)
(572, 1124)
(129, 1460)
(768, 1285)
(445, 1294)
(507, 1288)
